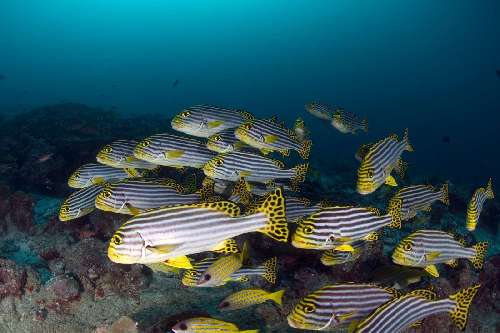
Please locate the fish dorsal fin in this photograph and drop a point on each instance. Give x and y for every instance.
(423, 293)
(228, 207)
(393, 136)
(393, 291)
(173, 184)
(325, 203)
(279, 164)
(305, 201)
(374, 210)
(246, 115)
(271, 270)
(273, 119)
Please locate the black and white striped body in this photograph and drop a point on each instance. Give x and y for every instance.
(206, 120)
(94, 173)
(172, 150)
(337, 305)
(79, 203)
(141, 194)
(297, 208)
(321, 111)
(348, 122)
(476, 203)
(120, 154)
(330, 226)
(414, 199)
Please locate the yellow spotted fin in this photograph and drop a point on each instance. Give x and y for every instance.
(274, 208)
(444, 194)
(243, 190)
(227, 246)
(463, 300)
(478, 259)
(305, 149)
(300, 175)
(271, 266)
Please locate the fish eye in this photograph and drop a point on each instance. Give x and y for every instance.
(207, 277)
(76, 174)
(106, 194)
(308, 229)
(108, 149)
(247, 126)
(65, 209)
(145, 143)
(191, 273)
(309, 308)
(216, 138)
(224, 305)
(407, 246)
(185, 114)
(219, 162)
(117, 240)
(369, 173)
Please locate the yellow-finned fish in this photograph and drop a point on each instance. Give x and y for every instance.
(94, 173)
(207, 325)
(120, 154)
(248, 297)
(206, 120)
(426, 248)
(79, 203)
(348, 122)
(167, 233)
(222, 269)
(476, 204)
(401, 313)
(378, 163)
(268, 136)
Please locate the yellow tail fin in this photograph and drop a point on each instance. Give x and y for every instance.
(489, 189)
(271, 272)
(300, 175)
(274, 208)
(277, 296)
(305, 149)
(394, 210)
(463, 298)
(406, 140)
(478, 259)
(207, 189)
(444, 194)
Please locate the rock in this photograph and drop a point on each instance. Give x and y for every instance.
(12, 279)
(16, 210)
(64, 288)
(124, 325)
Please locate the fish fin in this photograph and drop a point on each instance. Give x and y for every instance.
(401, 167)
(444, 194)
(271, 266)
(406, 140)
(162, 249)
(228, 207)
(463, 299)
(244, 173)
(247, 116)
(179, 262)
(270, 138)
(207, 189)
(424, 293)
(173, 153)
(489, 190)
(394, 210)
(277, 296)
(274, 207)
(271, 185)
(372, 236)
(374, 210)
(132, 172)
(173, 184)
(305, 149)
(346, 316)
(432, 270)
(227, 246)
(393, 291)
(265, 151)
(478, 259)
(243, 191)
(325, 203)
(452, 263)
(273, 119)
(133, 210)
(417, 324)
(305, 201)
(462, 241)
(352, 326)
(189, 184)
(432, 255)
(284, 152)
(344, 248)
(98, 180)
(215, 123)
(300, 174)
(344, 239)
(279, 164)
(364, 125)
(394, 137)
(391, 181)
(238, 145)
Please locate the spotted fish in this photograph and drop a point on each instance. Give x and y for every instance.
(476, 204)
(408, 201)
(426, 248)
(171, 232)
(267, 270)
(120, 154)
(378, 163)
(348, 122)
(79, 203)
(174, 151)
(401, 313)
(338, 305)
(334, 257)
(207, 325)
(337, 227)
(268, 136)
(207, 120)
(94, 173)
(253, 168)
(135, 196)
(248, 297)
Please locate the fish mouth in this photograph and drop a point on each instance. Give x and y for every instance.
(302, 244)
(300, 324)
(64, 217)
(364, 190)
(103, 159)
(120, 258)
(74, 183)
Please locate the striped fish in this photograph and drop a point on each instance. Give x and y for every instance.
(408, 201)
(207, 325)
(172, 232)
(476, 203)
(222, 268)
(93, 173)
(206, 120)
(298, 208)
(120, 154)
(133, 196)
(338, 226)
(319, 110)
(268, 136)
(334, 257)
(224, 142)
(267, 270)
(174, 151)
(348, 122)
(79, 203)
(401, 313)
(338, 305)
(252, 167)
(378, 163)
(400, 167)
(425, 248)
(248, 297)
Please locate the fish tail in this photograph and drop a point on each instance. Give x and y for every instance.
(394, 210)
(406, 140)
(305, 149)
(481, 249)
(489, 189)
(300, 175)
(277, 297)
(364, 125)
(463, 299)
(207, 189)
(271, 272)
(274, 208)
(243, 191)
(444, 194)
